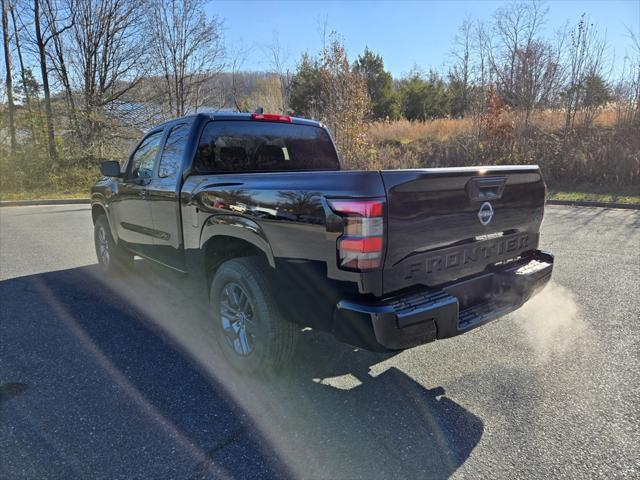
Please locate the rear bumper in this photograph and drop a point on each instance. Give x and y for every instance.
(412, 319)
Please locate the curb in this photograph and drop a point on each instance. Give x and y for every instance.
(58, 201)
(625, 206)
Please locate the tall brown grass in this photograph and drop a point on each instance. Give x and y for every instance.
(405, 131)
(442, 129)
(606, 153)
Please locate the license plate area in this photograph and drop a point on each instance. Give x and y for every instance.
(472, 291)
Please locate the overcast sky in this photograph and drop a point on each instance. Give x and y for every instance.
(405, 33)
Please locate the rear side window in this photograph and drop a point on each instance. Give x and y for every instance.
(145, 156)
(173, 151)
(246, 146)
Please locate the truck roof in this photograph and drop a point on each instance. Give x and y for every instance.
(236, 116)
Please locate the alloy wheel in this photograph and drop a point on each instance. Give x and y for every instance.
(237, 319)
(103, 247)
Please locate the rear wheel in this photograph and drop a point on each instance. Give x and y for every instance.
(249, 327)
(112, 258)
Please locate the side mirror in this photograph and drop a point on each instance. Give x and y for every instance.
(110, 168)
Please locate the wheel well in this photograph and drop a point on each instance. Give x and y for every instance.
(221, 248)
(96, 211)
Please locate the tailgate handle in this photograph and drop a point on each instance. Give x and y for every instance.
(482, 189)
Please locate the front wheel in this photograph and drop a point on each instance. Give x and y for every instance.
(249, 327)
(112, 258)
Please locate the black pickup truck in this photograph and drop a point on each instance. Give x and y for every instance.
(256, 206)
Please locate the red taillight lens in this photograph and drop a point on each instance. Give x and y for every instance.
(271, 117)
(361, 245)
(366, 208)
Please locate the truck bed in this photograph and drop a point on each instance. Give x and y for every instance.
(432, 233)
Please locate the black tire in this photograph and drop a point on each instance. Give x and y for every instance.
(112, 258)
(269, 339)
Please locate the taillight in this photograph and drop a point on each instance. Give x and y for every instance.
(271, 117)
(361, 244)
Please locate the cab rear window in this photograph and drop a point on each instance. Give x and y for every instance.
(249, 146)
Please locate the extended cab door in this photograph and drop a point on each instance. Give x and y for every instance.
(163, 194)
(132, 211)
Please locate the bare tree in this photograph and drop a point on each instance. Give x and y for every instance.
(41, 41)
(460, 72)
(23, 69)
(538, 75)
(346, 104)
(9, 79)
(238, 87)
(2, 90)
(632, 87)
(626, 91)
(515, 27)
(278, 60)
(100, 58)
(322, 27)
(524, 65)
(585, 58)
(188, 49)
(59, 18)
(479, 49)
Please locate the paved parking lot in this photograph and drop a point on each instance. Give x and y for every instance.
(121, 379)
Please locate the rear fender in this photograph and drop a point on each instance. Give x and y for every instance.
(237, 227)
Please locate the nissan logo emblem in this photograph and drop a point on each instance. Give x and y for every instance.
(485, 214)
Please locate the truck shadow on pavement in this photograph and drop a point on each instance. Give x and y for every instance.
(125, 382)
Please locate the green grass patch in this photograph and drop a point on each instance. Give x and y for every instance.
(578, 196)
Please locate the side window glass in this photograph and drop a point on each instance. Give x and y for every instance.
(144, 157)
(173, 151)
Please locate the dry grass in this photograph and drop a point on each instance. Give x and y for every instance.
(405, 131)
(608, 154)
(443, 129)
(553, 120)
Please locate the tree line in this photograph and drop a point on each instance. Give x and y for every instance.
(83, 77)
(501, 73)
(76, 71)
(510, 55)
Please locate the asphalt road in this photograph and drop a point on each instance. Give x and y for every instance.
(122, 380)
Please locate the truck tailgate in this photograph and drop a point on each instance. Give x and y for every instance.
(448, 223)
